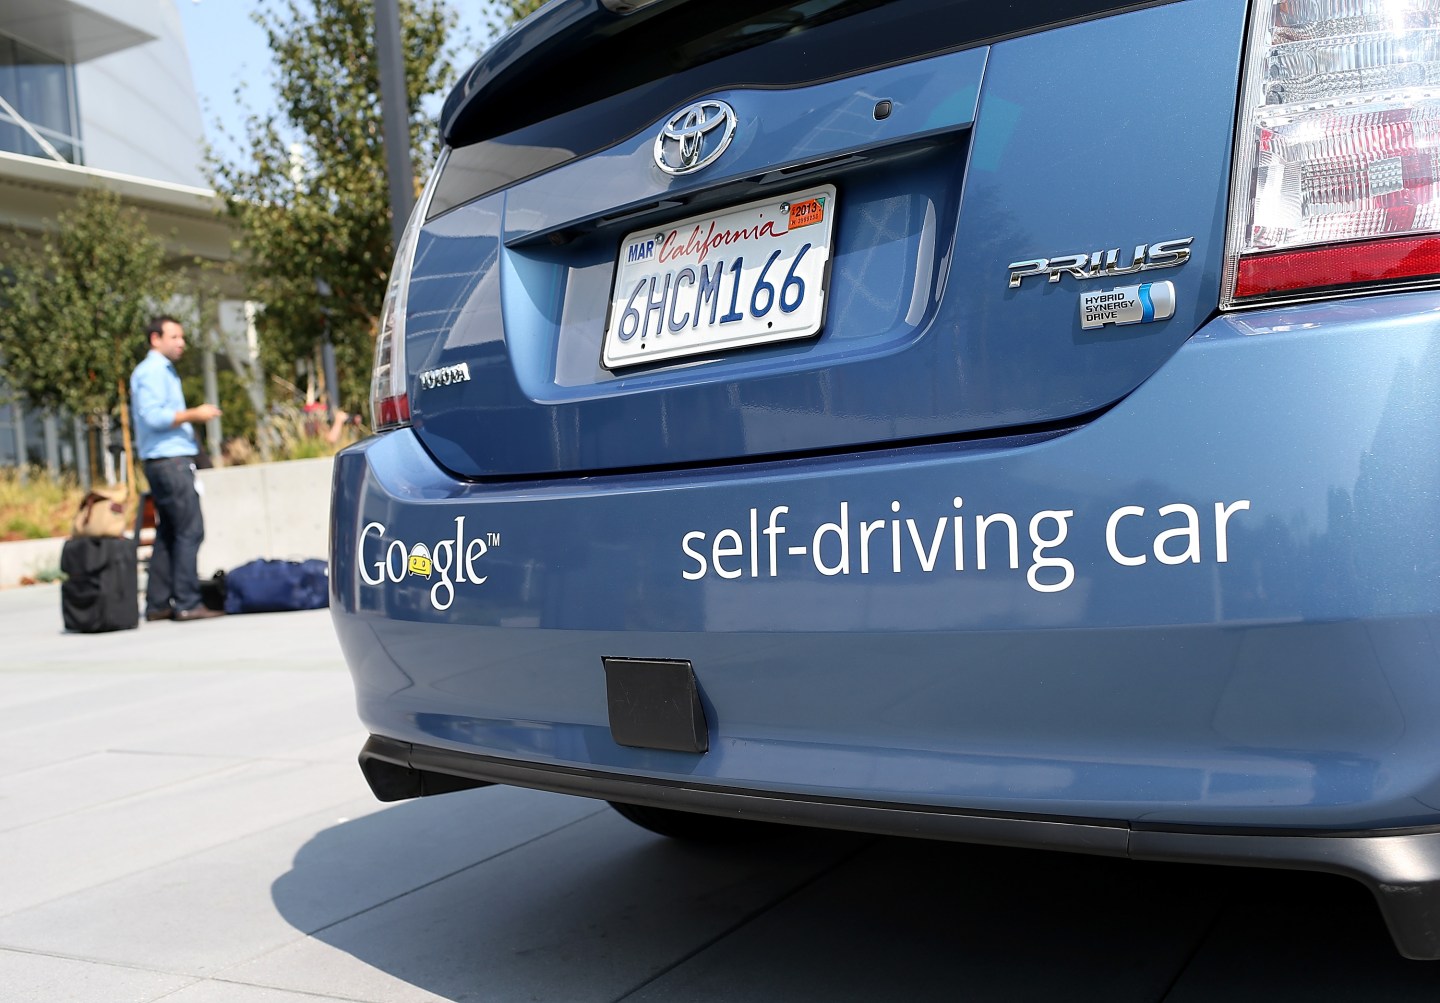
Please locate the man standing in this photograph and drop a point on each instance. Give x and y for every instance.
(166, 443)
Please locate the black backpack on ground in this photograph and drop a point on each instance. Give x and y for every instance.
(100, 591)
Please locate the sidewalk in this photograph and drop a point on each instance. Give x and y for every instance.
(153, 782)
(182, 818)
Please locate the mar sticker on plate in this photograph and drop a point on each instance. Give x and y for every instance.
(751, 275)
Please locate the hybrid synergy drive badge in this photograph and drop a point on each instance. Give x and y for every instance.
(1140, 304)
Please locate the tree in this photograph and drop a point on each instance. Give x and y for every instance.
(75, 305)
(312, 202)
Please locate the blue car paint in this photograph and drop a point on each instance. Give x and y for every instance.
(922, 337)
(1291, 685)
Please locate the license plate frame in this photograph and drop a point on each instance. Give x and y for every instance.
(753, 274)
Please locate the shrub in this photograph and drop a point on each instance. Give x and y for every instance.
(301, 435)
(36, 507)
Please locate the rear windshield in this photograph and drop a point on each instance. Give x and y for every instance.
(537, 74)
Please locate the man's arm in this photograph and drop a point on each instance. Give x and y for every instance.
(199, 413)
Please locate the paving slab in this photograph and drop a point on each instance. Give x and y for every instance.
(40, 978)
(586, 912)
(92, 780)
(213, 910)
(35, 636)
(44, 691)
(232, 713)
(60, 856)
(944, 921)
(220, 991)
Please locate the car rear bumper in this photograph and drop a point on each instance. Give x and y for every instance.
(1401, 869)
(1238, 629)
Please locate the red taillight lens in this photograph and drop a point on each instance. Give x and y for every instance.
(1337, 151)
(389, 397)
(1338, 266)
(392, 411)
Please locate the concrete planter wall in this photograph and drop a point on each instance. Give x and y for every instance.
(275, 510)
(27, 557)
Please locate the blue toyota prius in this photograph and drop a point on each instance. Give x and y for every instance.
(1008, 423)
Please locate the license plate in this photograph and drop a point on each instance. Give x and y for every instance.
(751, 275)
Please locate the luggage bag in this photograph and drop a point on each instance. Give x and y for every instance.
(100, 591)
(272, 586)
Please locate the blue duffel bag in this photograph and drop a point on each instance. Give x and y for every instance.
(271, 586)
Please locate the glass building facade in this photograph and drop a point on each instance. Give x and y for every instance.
(31, 438)
(37, 108)
(37, 90)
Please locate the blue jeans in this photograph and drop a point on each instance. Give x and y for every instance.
(174, 583)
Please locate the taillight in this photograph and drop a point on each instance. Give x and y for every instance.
(1337, 152)
(389, 398)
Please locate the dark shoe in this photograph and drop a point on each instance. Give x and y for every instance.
(198, 613)
(157, 614)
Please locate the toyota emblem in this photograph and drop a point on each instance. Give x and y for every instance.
(694, 137)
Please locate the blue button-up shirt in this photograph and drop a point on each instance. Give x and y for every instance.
(156, 398)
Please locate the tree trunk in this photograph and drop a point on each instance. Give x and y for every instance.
(128, 449)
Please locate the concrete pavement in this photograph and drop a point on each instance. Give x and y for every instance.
(182, 819)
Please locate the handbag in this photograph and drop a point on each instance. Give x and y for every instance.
(102, 512)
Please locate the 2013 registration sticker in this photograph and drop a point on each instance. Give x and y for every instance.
(751, 275)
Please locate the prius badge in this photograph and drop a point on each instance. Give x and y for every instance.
(1103, 264)
(694, 137)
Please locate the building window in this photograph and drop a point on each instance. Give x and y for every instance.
(41, 89)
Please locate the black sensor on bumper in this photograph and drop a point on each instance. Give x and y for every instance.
(655, 704)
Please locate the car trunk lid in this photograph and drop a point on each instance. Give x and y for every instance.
(1017, 230)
